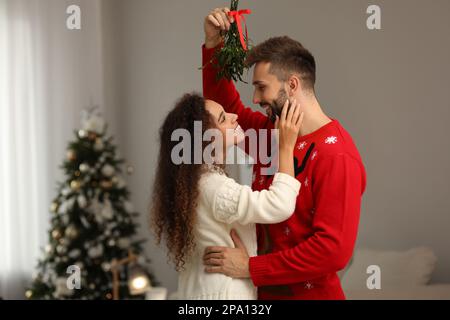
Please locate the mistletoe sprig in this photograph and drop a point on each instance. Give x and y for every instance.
(231, 57)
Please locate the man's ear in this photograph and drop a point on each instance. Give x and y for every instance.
(294, 85)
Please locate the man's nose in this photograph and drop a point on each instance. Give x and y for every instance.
(256, 99)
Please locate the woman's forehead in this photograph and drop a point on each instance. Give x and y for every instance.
(213, 107)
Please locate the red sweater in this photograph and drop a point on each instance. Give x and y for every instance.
(300, 257)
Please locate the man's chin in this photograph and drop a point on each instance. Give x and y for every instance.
(272, 118)
(270, 114)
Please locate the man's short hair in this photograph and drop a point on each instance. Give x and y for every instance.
(286, 57)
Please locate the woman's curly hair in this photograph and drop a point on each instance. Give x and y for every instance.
(176, 192)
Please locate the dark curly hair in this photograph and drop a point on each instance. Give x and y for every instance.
(176, 192)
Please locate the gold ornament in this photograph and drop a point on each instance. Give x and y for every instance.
(54, 207)
(75, 185)
(77, 173)
(71, 232)
(115, 180)
(56, 234)
(28, 294)
(106, 184)
(71, 155)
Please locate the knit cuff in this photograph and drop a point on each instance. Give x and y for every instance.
(259, 269)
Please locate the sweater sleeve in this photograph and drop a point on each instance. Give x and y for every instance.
(231, 202)
(224, 92)
(337, 195)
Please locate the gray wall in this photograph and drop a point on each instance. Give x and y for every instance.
(389, 88)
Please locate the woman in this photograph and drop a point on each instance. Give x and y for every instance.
(197, 205)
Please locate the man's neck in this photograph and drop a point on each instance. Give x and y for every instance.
(314, 118)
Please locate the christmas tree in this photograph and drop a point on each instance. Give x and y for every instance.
(91, 222)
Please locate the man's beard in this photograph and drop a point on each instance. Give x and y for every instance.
(277, 105)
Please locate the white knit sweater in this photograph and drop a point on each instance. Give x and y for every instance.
(223, 205)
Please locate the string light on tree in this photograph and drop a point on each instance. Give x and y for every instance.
(28, 294)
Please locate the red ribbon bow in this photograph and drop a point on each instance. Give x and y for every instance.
(238, 16)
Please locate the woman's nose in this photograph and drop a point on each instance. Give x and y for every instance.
(234, 117)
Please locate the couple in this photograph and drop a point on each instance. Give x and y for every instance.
(226, 239)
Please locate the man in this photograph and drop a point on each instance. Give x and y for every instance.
(298, 258)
